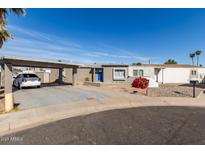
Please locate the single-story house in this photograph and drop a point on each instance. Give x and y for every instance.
(105, 73)
(122, 73)
(156, 73)
(168, 73)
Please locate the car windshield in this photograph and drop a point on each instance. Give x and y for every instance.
(30, 76)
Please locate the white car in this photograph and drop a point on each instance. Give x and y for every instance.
(27, 80)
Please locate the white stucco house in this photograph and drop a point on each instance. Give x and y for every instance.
(167, 73)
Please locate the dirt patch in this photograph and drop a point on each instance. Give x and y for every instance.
(173, 91)
(124, 88)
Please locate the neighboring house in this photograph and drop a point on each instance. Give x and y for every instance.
(156, 73)
(168, 73)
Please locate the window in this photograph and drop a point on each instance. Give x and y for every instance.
(138, 72)
(193, 72)
(29, 76)
(135, 72)
(19, 76)
(119, 74)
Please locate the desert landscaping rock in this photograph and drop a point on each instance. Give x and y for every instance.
(173, 91)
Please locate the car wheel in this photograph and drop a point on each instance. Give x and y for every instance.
(13, 84)
(38, 86)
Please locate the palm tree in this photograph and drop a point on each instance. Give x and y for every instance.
(198, 53)
(192, 55)
(4, 34)
(171, 61)
(138, 63)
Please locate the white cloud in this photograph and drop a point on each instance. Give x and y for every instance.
(39, 45)
(42, 36)
(118, 56)
(30, 33)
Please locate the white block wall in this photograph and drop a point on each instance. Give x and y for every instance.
(202, 74)
(174, 75)
(178, 75)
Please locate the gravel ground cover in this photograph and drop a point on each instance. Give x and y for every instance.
(167, 90)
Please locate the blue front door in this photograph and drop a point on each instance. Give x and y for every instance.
(100, 77)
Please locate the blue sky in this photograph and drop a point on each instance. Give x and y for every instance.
(107, 35)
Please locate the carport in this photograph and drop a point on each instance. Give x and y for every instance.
(6, 74)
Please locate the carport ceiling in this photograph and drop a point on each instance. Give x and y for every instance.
(35, 63)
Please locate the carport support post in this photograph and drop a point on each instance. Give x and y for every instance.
(60, 76)
(74, 72)
(94, 75)
(9, 102)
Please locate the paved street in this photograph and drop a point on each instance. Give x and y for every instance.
(37, 97)
(143, 125)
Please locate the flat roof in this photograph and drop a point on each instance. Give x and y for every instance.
(169, 66)
(115, 65)
(90, 66)
(35, 63)
(103, 65)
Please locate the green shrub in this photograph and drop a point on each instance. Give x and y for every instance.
(87, 79)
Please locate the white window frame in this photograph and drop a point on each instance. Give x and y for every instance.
(195, 74)
(119, 78)
(138, 72)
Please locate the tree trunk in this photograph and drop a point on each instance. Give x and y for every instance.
(192, 61)
(197, 60)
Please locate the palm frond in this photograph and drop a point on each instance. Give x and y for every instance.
(192, 55)
(3, 13)
(18, 11)
(198, 52)
(4, 34)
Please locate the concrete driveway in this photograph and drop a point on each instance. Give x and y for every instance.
(37, 97)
